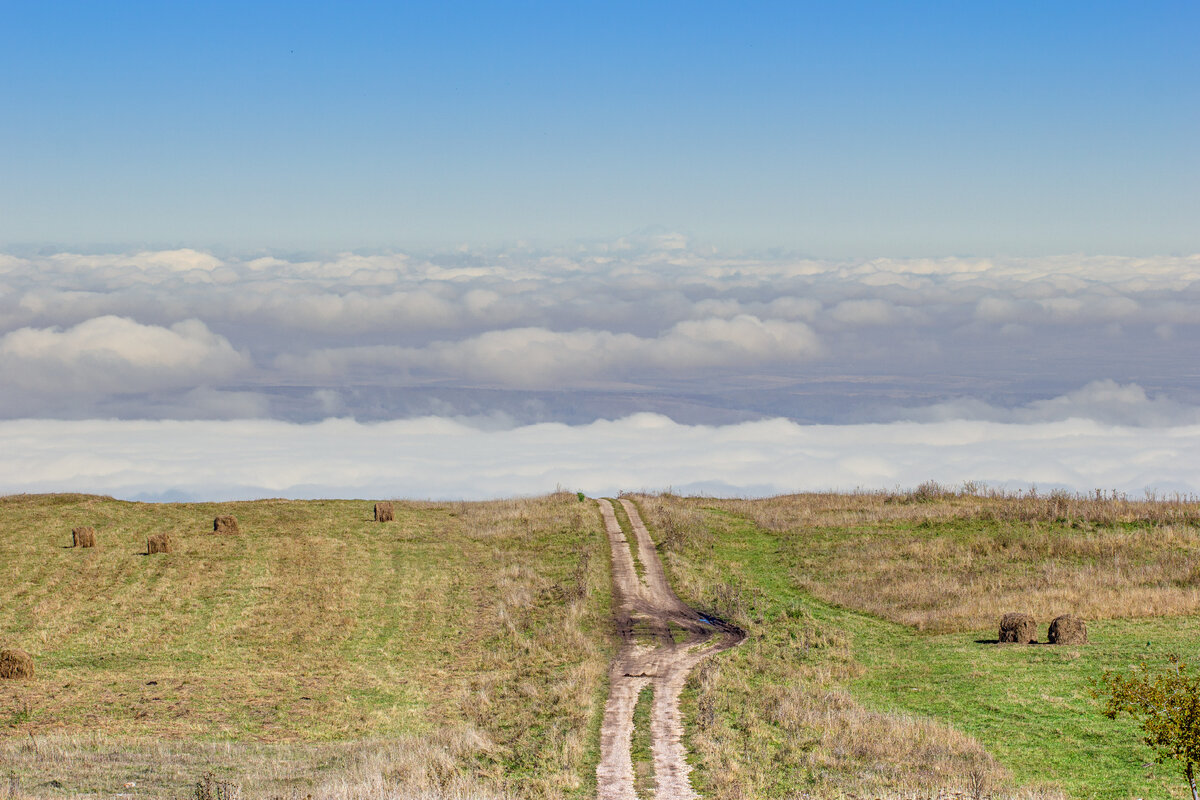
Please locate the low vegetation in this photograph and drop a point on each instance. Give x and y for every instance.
(942, 562)
(1166, 705)
(639, 750)
(462, 648)
(871, 666)
(775, 716)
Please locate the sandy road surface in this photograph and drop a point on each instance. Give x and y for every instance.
(645, 607)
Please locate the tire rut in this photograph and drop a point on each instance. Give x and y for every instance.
(646, 605)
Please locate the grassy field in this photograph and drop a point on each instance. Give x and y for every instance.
(461, 649)
(871, 666)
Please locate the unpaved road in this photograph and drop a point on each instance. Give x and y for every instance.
(645, 609)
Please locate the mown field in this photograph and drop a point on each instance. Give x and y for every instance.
(872, 668)
(461, 651)
(458, 651)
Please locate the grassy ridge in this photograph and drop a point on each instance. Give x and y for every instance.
(484, 627)
(827, 699)
(462, 651)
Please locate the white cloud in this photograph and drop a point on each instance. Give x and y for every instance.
(541, 358)
(864, 312)
(651, 310)
(997, 310)
(161, 261)
(444, 458)
(1104, 401)
(115, 354)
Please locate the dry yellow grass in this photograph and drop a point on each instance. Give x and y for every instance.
(472, 637)
(958, 563)
(417, 767)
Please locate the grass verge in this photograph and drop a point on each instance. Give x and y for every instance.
(630, 537)
(639, 749)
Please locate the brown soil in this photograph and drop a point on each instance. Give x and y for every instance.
(647, 605)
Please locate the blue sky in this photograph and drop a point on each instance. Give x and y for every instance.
(736, 247)
(835, 130)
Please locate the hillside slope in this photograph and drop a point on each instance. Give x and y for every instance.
(871, 667)
(461, 647)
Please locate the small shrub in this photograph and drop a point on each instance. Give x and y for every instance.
(1167, 706)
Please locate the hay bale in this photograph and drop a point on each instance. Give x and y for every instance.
(1018, 628)
(15, 664)
(84, 536)
(226, 523)
(384, 512)
(158, 543)
(1067, 630)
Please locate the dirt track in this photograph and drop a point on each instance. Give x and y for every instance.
(645, 609)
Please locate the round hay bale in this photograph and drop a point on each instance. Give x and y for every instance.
(226, 523)
(15, 664)
(158, 543)
(1067, 630)
(384, 512)
(84, 536)
(1018, 628)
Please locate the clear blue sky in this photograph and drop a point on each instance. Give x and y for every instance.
(835, 129)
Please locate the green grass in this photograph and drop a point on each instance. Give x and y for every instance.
(836, 702)
(639, 749)
(679, 634)
(1030, 705)
(630, 537)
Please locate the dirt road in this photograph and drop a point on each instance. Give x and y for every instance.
(648, 616)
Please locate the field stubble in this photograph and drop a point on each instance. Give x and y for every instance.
(459, 651)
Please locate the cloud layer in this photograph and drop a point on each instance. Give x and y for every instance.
(619, 328)
(115, 355)
(441, 458)
(634, 364)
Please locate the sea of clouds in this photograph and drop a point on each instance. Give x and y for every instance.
(641, 363)
(443, 458)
